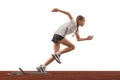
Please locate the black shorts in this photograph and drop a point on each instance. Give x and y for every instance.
(57, 38)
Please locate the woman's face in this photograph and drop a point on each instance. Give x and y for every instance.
(82, 22)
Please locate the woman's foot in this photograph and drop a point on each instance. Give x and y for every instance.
(41, 68)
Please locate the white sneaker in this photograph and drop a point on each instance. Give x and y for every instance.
(41, 68)
(56, 57)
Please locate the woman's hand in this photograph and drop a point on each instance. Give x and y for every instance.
(55, 10)
(89, 37)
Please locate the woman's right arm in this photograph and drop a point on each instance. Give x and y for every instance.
(83, 39)
(62, 11)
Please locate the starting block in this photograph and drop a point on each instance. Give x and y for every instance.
(21, 72)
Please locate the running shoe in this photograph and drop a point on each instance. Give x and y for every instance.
(57, 58)
(41, 68)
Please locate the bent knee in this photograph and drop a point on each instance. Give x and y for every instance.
(72, 47)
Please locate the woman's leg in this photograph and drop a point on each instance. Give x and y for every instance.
(69, 47)
(56, 49)
(67, 43)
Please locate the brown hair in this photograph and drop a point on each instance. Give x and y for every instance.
(79, 17)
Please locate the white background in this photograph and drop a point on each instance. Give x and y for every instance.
(27, 27)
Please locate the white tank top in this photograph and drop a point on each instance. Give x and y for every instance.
(67, 28)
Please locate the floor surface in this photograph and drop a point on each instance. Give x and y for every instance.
(64, 75)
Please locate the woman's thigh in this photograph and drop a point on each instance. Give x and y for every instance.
(66, 42)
